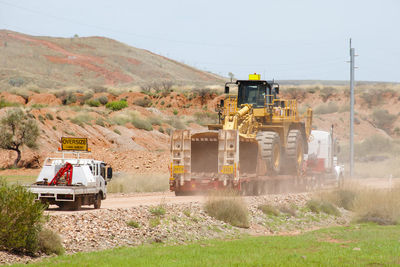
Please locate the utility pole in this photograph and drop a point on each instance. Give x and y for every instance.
(352, 68)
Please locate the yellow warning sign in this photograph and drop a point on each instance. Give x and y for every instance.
(76, 144)
(227, 169)
(179, 169)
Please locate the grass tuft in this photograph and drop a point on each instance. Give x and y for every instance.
(228, 207)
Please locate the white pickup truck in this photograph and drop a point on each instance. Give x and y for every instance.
(72, 182)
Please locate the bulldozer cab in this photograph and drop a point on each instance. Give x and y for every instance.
(258, 93)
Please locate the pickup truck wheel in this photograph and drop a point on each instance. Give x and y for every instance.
(76, 205)
(97, 202)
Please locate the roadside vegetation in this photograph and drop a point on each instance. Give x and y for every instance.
(357, 245)
(228, 207)
(21, 223)
(130, 183)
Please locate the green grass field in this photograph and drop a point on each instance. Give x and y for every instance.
(357, 245)
(21, 179)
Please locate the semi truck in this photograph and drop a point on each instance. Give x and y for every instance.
(70, 182)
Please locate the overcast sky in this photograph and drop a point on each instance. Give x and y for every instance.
(286, 39)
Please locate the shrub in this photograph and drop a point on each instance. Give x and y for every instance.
(70, 98)
(129, 183)
(38, 106)
(383, 119)
(4, 103)
(143, 102)
(229, 208)
(158, 210)
(176, 123)
(83, 99)
(103, 100)
(203, 94)
(54, 128)
(327, 108)
(327, 92)
(81, 119)
(50, 242)
(49, 116)
(268, 210)
(141, 124)
(93, 103)
(289, 210)
(59, 118)
(204, 118)
(16, 81)
(21, 218)
(154, 222)
(381, 206)
(175, 112)
(99, 89)
(117, 131)
(117, 105)
(161, 129)
(162, 103)
(133, 224)
(318, 206)
(155, 121)
(373, 145)
(100, 122)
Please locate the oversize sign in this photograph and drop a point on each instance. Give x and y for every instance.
(179, 169)
(226, 169)
(72, 143)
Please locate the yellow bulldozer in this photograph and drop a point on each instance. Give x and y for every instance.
(259, 142)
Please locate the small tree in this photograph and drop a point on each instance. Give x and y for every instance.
(17, 130)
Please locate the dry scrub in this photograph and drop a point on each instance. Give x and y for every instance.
(130, 183)
(228, 207)
(381, 206)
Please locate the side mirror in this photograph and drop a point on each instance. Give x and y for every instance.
(221, 103)
(226, 89)
(109, 172)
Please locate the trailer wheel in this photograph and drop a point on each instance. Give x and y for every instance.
(270, 145)
(97, 201)
(294, 152)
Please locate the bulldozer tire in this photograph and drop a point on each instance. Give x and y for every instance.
(294, 152)
(97, 201)
(270, 145)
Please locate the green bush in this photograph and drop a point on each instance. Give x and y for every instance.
(373, 145)
(143, 102)
(175, 112)
(117, 131)
(161, 129)
(103, 100)
(228, 208)
(20, 218)
(50, 242)
(117, 105)
(93, 103)
(70, 98)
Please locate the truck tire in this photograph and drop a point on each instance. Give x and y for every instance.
(97, 201)
(77, 204)
(294, 152)
(270, 145)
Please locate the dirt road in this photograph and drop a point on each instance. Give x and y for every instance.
(115, 201)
